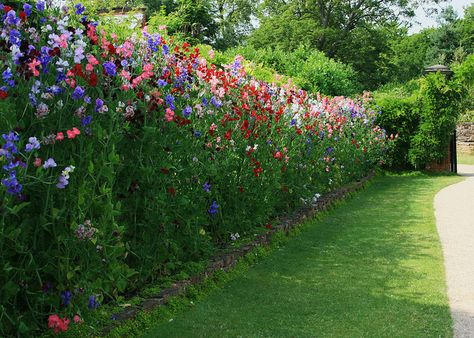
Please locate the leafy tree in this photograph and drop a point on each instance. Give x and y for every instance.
(191, 18)
(356, 32)
(234, 21)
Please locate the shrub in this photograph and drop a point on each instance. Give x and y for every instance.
(423, 113)
(310, 69)
(122, 161)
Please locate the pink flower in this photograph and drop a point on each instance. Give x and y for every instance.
(211, 54)
(77, 319)
(73, 133)
(92, 60)
(60, 136)
(169, 115)
(148, 67)
(32, 66)
(37, 163)
(58, 324)
(125, 75)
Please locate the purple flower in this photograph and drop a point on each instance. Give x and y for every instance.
(11, 137)
(98, 104)
(165, 49)
(62, 182)
(110, 68)
(170, 101)
(329, 150)
(49, 163)
(86, 120)
(213, 209)
(79, 9)
(87, 99)
(197, 134)
(162, 83)
(12, 184)
(7, 77)
(124, 63)
(93, 303)
(66, 297)
(15, 37)
(216, 102)
(78, 93)
(12, 19)
(27, 8)
(40, 5)
(32, 144)
(187, 111)
(207, 187)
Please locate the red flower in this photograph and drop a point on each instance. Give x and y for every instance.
(257, 171)
(165, 171)
(228, 134)
(7, 9)
(245, 125)
(23, 16)
(3, 95)
(171, 191)
(93, 80)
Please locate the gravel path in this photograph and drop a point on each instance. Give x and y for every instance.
(454, 207)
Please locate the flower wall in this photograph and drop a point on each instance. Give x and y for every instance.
(123, 160)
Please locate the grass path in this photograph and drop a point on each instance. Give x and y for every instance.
(372, 267)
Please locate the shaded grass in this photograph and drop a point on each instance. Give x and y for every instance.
(370, 268)
(465, 158)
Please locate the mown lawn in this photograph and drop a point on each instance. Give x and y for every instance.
(372, 267)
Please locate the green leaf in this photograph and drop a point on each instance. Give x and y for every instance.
(70, 275)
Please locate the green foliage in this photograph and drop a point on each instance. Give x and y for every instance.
(399, 117)
(439, 109)
(190, 18)
(222, 23)
(464, 73)
(423, 113)
(309, 69)
(95, 6)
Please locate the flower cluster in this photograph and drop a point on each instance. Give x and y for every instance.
(58, 324)
(8, 151)
(63, 180)
(85, 231)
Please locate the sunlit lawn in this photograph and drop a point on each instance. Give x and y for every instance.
(372, 267)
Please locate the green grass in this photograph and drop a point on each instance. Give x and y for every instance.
(372, 267)
(465, 158)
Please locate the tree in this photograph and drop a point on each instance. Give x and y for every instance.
(357, 32)
(191, 19)
(234, 21)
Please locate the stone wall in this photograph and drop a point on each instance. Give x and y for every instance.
(465, 137)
